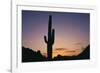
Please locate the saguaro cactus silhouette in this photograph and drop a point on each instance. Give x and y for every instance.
(51, 36)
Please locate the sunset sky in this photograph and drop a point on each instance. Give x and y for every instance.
(71, 31)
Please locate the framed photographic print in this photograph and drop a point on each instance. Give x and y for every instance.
(52, 36)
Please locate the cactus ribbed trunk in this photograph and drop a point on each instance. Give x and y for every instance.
(50, 41)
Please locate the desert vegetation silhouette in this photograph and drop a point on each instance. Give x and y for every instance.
(29, 55)
(51, 38)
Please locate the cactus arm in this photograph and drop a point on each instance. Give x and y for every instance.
(53, 35)
(45, 39)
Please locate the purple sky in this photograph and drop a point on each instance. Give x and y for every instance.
(71, 29)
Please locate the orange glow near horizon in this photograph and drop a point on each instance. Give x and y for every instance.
(64, 52)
